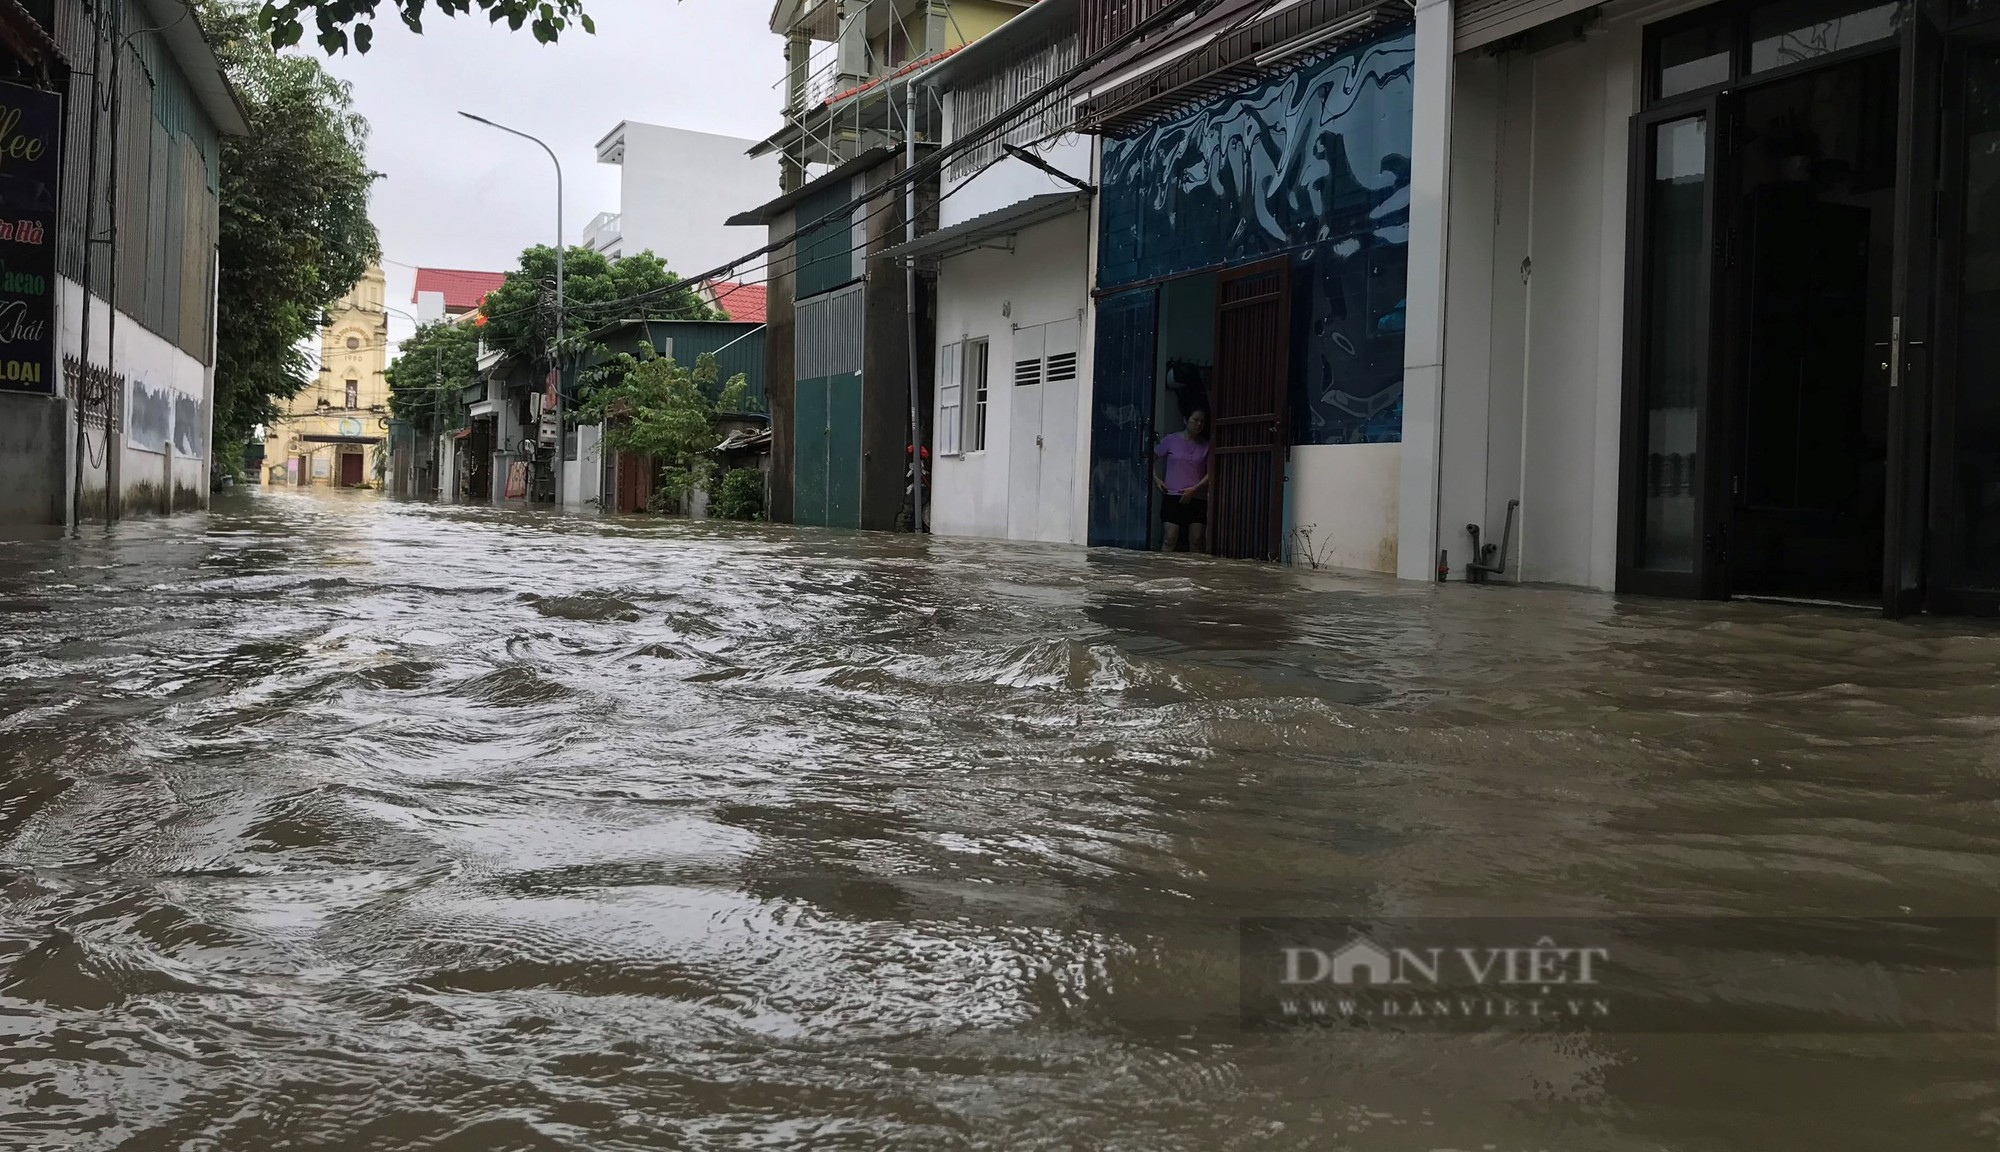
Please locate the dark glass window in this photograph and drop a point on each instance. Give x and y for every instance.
(1792, 31)
(1976, 467)
(1676, 340)
(1693, 59)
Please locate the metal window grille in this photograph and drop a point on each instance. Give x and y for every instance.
(976, 102)
(975, 371)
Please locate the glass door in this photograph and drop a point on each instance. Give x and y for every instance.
(1906, 354)
(1668, 535)
(1965, 475)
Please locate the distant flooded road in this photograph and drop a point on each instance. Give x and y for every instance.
(333, 823)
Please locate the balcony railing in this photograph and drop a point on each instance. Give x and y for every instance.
(604, 229)
(976, 101)
(1103, 21)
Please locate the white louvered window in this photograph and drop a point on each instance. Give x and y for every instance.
(975, 395)
(951, 403)
(1060, 349)
(1028, 356)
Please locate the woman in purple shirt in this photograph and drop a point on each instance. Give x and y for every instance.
(1185, 483)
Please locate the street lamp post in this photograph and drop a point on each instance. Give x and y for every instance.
(554, 365)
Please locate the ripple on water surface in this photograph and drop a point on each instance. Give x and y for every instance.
(338, 823)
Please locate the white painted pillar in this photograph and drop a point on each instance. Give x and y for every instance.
(1423, 310)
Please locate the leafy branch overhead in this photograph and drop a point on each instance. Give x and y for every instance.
(293, 215)
(339, 23)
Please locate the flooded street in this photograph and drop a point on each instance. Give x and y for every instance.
(337, 823)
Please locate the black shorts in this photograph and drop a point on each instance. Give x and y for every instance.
(1174, 510)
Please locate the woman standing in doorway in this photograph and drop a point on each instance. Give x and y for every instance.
(1185, 509)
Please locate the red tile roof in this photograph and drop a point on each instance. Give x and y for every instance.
(463, 291)
(742, 302)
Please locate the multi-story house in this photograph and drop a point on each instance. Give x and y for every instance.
(109, 253)
(1710, 296)
(840, 314)
(676, 191)
(1251, 250)
(332, 433)
(1007, 431)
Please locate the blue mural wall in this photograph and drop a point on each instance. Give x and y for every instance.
(1313, 163)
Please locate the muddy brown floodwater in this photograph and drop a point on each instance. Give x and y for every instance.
(334, 823)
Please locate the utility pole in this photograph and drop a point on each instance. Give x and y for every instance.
(555, 350)
(910, 308)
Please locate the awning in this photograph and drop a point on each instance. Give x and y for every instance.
(483, 408)
(318, 439)
(461, 434)
(767, 212)
(981, 230)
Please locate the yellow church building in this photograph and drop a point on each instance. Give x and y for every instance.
(335, 432)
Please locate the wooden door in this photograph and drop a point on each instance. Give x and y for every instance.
(1250, 401)
(350, 469)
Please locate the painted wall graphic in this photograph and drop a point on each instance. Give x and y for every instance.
(149, 418)
(1313, 162)
(190, 425)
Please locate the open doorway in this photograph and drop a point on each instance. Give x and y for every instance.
(1185, 369)
(1808, 246)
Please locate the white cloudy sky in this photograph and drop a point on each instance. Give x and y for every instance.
(461, 195)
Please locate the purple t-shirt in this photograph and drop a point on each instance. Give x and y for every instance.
(1187, 461)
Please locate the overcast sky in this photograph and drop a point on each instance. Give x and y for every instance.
(461, 195)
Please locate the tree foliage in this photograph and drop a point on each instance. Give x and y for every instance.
(295, 234)
(339, 23)
(659, 409)
(430, 373)
(740, 496)
(521, 315)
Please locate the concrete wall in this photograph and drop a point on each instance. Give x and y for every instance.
(162, 456)
(583, 477)
(885, 367)
(34, 486)
(1534, 303)
(992, 294)
(1009, 181)
(1343, 504)
(676, 188)
(780, 358)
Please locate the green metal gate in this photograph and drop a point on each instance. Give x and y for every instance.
(826, 412)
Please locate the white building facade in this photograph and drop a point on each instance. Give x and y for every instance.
(1010, 434)
(1705, 292)
(132, 357)
(676, 190)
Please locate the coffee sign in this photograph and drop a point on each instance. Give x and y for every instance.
(30, 164)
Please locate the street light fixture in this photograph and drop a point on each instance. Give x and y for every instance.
(553, 364)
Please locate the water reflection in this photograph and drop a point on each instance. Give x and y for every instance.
(354, 825)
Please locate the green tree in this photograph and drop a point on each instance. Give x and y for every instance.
(341, 22)
(521, 315)
(740, 496)
(430, 373)
(295, 234)
(659, 409)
